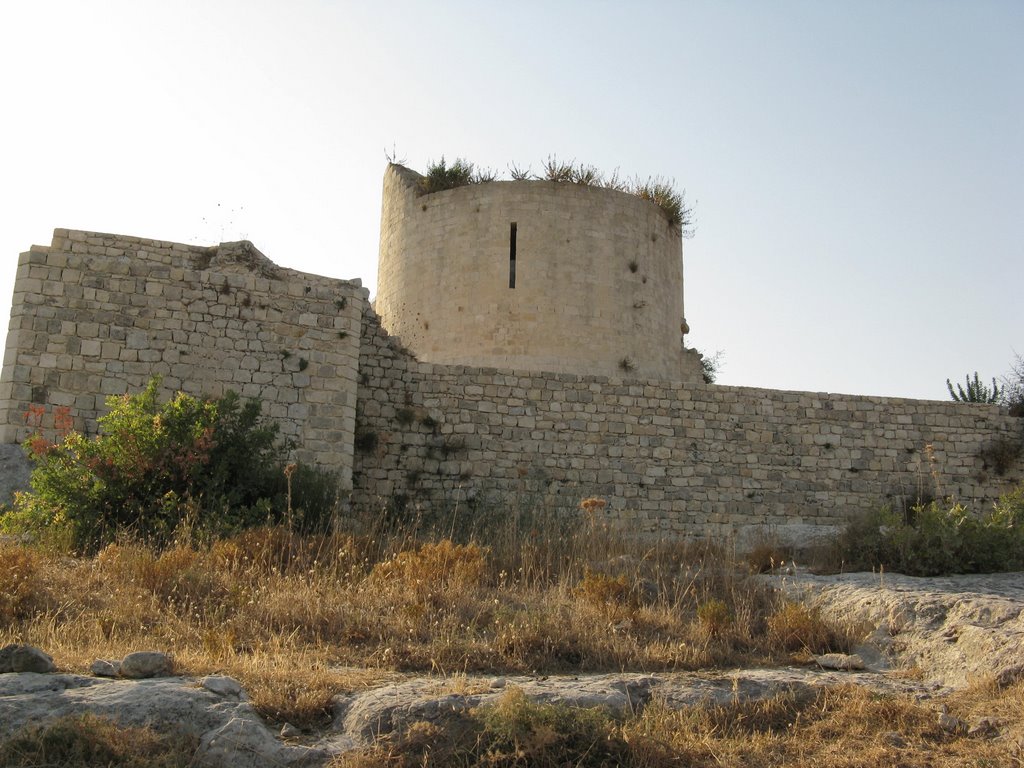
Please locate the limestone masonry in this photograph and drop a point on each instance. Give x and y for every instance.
(97, 315)
(537, 276)
(423, 421)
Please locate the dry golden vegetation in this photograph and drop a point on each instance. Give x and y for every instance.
(300, 618)
(84, 742)
(846, 727)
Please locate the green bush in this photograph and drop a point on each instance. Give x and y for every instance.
(215, 466)
(933, 539)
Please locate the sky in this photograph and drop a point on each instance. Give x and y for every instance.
(856, 168)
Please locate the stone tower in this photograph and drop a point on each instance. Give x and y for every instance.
(533, 276)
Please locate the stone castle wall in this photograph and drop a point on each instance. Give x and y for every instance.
(97, 315)
(598, 278)
(669, 457)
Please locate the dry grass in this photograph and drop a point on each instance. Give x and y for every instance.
(300, 619)
(290, 616)
(848, 727)
(74, 742)
(845, 727)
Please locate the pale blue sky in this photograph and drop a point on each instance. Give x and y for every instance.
(857, 168)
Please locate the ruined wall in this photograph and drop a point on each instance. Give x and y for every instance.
(96, 315)
(669, 457)
(598, 278)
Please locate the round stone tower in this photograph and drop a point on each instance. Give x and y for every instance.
(533, 276)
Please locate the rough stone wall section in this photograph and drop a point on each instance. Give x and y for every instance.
(96, 314)
(670, 458)
(533, 276)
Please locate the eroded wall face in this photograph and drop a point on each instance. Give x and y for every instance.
(669, 458)
(96, 315)
(534, 276)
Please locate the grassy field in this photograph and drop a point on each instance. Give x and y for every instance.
(299, 619)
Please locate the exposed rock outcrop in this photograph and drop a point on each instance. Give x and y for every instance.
(230, 732)
(953, 630)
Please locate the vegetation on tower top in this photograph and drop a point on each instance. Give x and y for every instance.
(441, 176)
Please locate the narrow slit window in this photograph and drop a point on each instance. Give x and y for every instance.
(512, 256)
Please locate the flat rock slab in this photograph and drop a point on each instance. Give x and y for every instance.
(361, 717)
(849, 662)
(231, 734)
(954, 629)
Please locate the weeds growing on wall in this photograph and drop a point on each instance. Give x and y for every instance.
(664, 195)
(155, 467)
(936, 538)
(441, 176)
(662, 192)
(710, 365)
(1012, 395)
(1000, 454)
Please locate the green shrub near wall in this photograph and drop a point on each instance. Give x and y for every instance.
(210, 465)
(935, 539)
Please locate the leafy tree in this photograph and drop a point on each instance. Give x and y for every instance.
(976, 392)
(1012, 394)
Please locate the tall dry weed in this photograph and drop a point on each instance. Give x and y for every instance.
(179, 574)
(22, 582)
(795, 627)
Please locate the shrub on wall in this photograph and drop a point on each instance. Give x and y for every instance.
(212, 465)
(709, 366)
(935, 539)
(1010, 394)
(441, 176)
(976, 392)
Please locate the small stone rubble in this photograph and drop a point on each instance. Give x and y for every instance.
(24, 658)
(143, 664)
